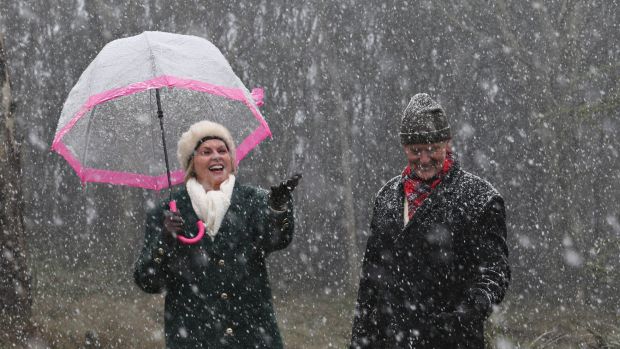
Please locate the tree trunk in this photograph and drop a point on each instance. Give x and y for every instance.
(15, 280)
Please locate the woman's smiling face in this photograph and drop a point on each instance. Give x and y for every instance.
(212, 163)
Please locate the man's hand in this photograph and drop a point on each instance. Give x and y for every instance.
(280, 194)
(475, 308)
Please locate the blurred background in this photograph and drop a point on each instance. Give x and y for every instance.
(531, 91)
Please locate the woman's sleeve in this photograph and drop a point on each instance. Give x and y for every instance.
(276, 228)
(149, 272)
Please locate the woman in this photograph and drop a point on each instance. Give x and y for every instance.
(217, 290)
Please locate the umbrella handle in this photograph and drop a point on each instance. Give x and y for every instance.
(200, 224)
(173, 206)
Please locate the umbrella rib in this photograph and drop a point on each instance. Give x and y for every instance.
(153, 127)
(151, 55)
(210, 106)
(87, 138)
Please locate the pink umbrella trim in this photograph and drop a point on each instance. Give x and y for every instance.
(157, 182)
(258, 94)
(119, 178)
(146, 181)
(158, 82)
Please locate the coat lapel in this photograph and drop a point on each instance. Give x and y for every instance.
(186, 209)
(228, 229)
(441, 191)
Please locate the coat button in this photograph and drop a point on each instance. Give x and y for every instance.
(221, 263)
(157, 260)
(229, 331)
(160, 251)
(224, 296)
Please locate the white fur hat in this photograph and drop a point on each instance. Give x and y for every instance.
(189, 141)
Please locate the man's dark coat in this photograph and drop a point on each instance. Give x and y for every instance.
(217, 292)
(432, 283)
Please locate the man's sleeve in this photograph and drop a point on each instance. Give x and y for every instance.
(489, 252)
(366, 332)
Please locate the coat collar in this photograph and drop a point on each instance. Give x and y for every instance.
(441, 191)
(191, 219)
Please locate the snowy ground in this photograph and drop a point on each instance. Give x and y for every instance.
(70, 310)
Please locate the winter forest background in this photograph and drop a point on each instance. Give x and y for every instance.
(531, 90)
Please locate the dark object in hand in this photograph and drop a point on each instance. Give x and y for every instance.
(173, 224)
(280, 194)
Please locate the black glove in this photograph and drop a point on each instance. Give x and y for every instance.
(173, 224)
(477, 304)
(448, 322)
(475, 308)
(280, 194)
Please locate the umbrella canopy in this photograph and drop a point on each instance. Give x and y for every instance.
(109, 130)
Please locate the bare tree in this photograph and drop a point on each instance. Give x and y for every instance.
(15, 281)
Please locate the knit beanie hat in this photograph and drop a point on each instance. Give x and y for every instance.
(192, 138)
(424, 121)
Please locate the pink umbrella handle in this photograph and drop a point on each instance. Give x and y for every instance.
(173, 206)
(200, 224)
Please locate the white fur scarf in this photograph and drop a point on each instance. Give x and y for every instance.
(211, 206)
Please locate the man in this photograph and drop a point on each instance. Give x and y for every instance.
(436, 260)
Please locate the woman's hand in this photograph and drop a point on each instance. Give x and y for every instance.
(173, 224)
(280, 194)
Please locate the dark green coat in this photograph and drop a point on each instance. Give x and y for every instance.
(217, 292)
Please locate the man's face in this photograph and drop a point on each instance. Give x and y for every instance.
(426, 160)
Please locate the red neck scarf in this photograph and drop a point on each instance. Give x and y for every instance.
(417, 190)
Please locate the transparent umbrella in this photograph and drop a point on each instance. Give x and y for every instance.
(112, 128)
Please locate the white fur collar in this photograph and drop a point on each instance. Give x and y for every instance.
(211, 206)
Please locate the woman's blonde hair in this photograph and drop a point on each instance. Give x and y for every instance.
(189, 170)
